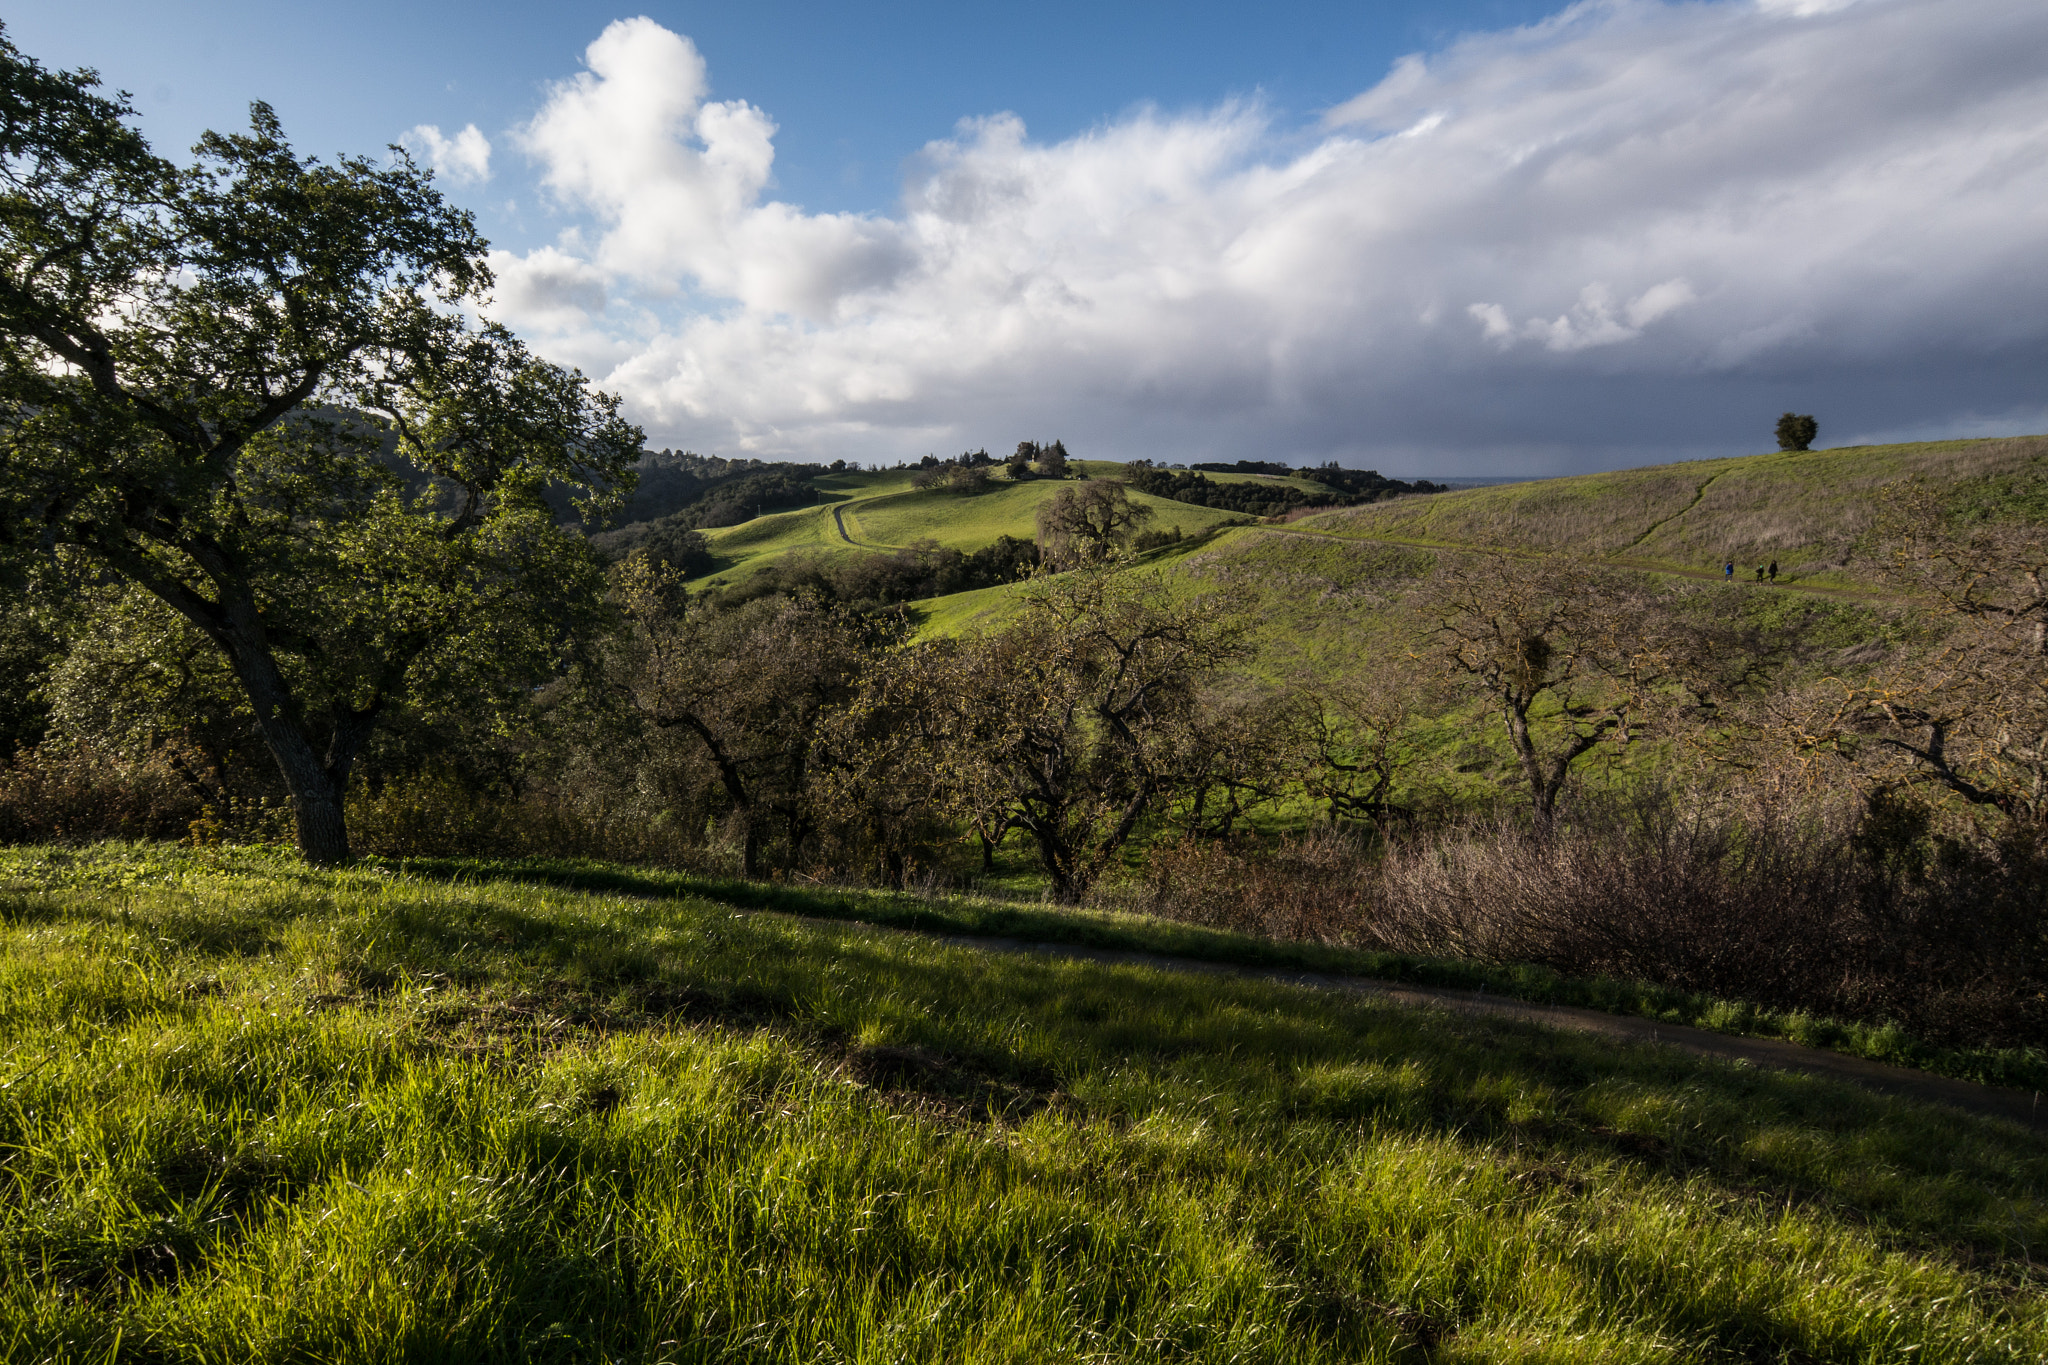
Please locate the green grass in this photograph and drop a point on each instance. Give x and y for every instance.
(1003, 911)
(1810, 510)
(254, 1112)
(882, 512)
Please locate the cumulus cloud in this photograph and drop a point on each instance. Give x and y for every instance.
(1593, 321)
(464, 158)
(1655, 219)
(677, 181)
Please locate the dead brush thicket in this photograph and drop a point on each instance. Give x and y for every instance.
(1813, 910)
(1307, 889)
(78, 793)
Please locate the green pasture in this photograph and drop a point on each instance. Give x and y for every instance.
(1809, 510)
(252, 1112)
(880, 512)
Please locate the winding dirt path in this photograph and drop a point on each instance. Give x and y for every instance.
(1698, 496)
(2019, 1106)
(839, 523)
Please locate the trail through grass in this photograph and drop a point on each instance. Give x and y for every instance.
(882, 512)
(249, 1111)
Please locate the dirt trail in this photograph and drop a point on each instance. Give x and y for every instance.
(2019, 1106)
(839, 524)
(1698, 495)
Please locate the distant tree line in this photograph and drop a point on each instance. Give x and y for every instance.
(669, 481)
(1347, 487)
(865, 581)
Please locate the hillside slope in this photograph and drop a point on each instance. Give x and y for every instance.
(882, 511)
(1807, 509)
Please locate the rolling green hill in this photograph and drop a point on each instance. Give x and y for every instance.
(1321, 588)
(1809, 510)
(871, 512)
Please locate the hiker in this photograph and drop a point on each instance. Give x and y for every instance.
(1774, 571)
(1759, 573)
(1728, 570)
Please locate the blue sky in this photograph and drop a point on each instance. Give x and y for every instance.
(1483, 238)
(854, 89)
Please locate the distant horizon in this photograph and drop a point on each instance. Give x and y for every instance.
(881, 465)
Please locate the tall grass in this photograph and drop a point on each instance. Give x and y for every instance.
(248, 1111)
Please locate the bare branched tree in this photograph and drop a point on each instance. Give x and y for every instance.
(752, 688)
(1569, 655)
(1072, 724)
(1968, 718)
(1360, 735)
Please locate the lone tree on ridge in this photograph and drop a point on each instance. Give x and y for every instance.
(1796, 431)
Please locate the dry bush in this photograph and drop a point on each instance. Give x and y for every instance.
(76, 793)
(1650, 889)
(437, 815)
(1856, 913)
(1307, 889)
(1802, 909)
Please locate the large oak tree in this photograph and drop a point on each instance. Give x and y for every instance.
(249, 386)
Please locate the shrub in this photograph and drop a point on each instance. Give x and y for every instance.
(1307, 889)
(1801, 910)
(76, 793)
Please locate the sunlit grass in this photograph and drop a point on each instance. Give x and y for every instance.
(1807, 509)
(252, 1112)
(882, 512)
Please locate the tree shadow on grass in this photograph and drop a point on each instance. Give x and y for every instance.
(945, 1015)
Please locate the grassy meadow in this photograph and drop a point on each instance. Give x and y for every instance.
(881, 511)
(253, 1111)
(1807, 509)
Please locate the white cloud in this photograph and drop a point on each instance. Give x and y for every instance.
(1801, 9)
(464, 158)
(547, 289)
(1591, 322)
(1634, 216)
(677, 180)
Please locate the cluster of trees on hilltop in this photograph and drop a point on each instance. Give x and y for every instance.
(1366, 484)
(694, 491)
(866, 581)
(1361, 482)
(1258, 499)
(1030, 460)
(1246, 499)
